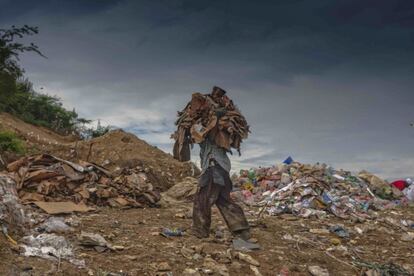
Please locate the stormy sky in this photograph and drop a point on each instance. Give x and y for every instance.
(322, 81)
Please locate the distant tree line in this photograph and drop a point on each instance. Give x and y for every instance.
(18, 97)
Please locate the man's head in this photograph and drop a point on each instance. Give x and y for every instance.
(217, 92)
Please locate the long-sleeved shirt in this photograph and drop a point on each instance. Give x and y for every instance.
(210, 154)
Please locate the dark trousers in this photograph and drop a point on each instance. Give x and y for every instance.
(210, 193)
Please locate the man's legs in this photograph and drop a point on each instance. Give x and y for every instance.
(232, 213)
(205, 198)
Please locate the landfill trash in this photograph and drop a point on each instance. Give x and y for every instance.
(380, 187)
(408, 236)
(318, 271)
(340, 231)
(12, 214)
(200, 117)
(174, 232)
(94, 240)
(47, 178)
(313, 191)
(242, 245)
(6, 234)
(389, 269)
(51, 247)
(408, 223)
(247, 258)
(54, 225)
(288, 160)
(255, 270)
(409, 192)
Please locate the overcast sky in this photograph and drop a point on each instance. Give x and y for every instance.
(323, 80)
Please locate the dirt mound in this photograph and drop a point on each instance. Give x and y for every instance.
(118, 149)
(115, 151)
(31, 133)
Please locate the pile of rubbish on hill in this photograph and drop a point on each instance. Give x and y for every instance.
(46, 178)
(315, 191)
(209, 115)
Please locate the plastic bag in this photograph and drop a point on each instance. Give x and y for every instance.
(54, 225)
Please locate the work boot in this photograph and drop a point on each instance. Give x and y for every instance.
(243, 234)
(198, 234)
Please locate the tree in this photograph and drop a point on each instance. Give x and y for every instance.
(10, 50)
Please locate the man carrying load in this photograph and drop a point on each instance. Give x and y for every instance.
(216, 125)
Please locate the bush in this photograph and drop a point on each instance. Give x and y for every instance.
(18, 97)
(11, 143)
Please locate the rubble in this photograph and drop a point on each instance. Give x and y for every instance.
(247, 258)
(94, 240)
(318, 271)
(48, 179)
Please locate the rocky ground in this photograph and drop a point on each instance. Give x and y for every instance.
(290, 246)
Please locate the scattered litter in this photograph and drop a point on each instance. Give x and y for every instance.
(50, 246)
(54, 225)
(255, 270)
(12, 213)
(339, 231)
(175, 232)
(408, 236)
(375, 269)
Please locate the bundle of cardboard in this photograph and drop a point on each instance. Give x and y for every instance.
(212, 116)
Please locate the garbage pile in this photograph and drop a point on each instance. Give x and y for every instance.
(46, 178)
(314, 191)
(211, 114)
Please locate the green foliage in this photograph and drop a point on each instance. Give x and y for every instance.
(17, 95)
(11, 143)
(10, 49)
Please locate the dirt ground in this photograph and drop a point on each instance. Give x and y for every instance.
(288, 245)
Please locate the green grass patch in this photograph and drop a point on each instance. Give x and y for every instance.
(11, 143)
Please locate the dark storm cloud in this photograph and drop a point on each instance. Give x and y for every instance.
(10, 9)
(323, 80)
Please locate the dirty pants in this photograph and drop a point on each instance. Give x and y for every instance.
(210, 193)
